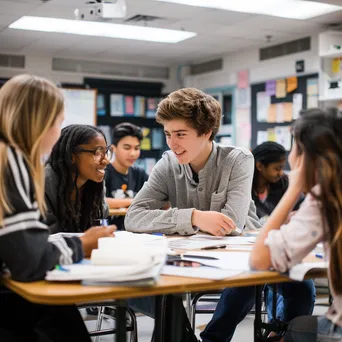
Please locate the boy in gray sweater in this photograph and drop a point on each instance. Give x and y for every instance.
(207, 185)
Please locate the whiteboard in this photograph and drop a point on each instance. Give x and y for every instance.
(79, 106)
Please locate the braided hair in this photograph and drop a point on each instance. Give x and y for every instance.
(77, 216)
(266, 153)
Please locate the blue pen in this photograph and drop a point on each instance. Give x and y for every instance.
(158, 234)
(60, 268)
(319, 255)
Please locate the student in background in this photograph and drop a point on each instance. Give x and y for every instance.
(269, 185)
(31, 114)
(316, 164)
(123, 179)
(74, 179)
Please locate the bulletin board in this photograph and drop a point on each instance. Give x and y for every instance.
(79, 106)
(259, 127)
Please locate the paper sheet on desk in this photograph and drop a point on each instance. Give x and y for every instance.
(228, 261)
(202, 241)
(200, 272)
(141, 237)
(299, 271)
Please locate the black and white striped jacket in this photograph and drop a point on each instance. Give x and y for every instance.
(25, 247)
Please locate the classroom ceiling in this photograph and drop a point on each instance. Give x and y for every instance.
(218, 32)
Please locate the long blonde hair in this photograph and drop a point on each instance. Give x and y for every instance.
(29, 106)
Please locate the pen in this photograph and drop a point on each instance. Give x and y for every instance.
(214, 247)
(60, 268)
(319, 255)
(198, 257)
(158, 234)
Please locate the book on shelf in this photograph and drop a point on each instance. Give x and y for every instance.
(145, 144)
(139, 106)
(116, 105)
(151, 107)
(157, 138)
(129, 105)
(100, 105)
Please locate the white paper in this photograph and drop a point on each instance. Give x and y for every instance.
(299, 271)
(225, 260)
(297, 105)
(280, 112)
(262, 136)
(263, 103)
(198, 241)
(283, 136)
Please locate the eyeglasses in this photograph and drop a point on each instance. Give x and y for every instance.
(99, 153)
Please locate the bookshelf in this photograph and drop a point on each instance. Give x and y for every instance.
(330, 75)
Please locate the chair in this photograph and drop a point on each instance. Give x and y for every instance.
(131, 320)
(211, 297)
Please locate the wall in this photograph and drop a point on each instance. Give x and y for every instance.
(259, 71)
(41, 65)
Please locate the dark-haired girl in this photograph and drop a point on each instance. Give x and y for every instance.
(316, 163)
(75, 172)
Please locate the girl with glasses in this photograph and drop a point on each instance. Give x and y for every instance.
(74, 187)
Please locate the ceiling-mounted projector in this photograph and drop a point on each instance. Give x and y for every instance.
(101, 10)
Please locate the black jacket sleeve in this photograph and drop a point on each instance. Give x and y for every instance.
(24, 246)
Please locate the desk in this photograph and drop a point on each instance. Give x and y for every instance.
(118, 212)
(44, 292)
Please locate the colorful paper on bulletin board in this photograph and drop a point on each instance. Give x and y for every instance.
(262, 136)
(272, 114)
(129, 105)
(335, 65)
(271, 87)
(312, 86)
(280, 88)
(271, 136)
(283, 136)
(280, 112)
(292, 84)
(263, 103)
(288, 107)
(312, 101)
(243, 79)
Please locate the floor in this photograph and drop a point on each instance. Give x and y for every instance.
(243, 333)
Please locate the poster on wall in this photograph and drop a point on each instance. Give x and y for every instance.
(243, 128)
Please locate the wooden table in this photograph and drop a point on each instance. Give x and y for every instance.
(55, 293)
(118, 212)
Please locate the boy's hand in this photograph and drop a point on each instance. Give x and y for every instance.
(90, 237)
(212, 222)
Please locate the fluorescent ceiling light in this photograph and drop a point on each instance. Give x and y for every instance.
(292, 9)
(98, 29)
